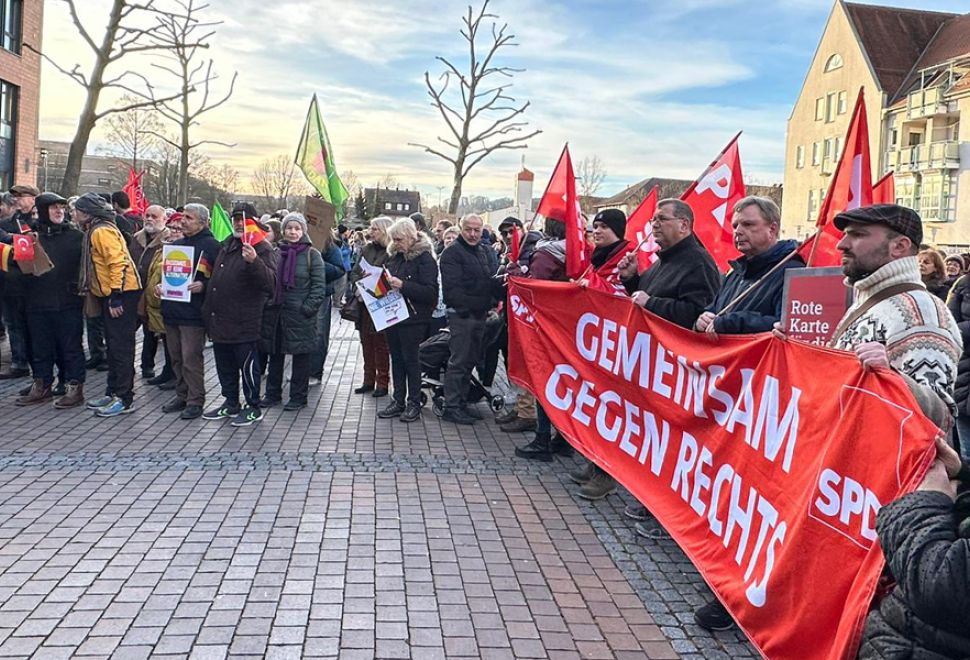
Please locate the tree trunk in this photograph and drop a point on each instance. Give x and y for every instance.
(458, 181)
(183, 185)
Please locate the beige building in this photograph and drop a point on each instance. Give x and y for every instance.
(915, 68)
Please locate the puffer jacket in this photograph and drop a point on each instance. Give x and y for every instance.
(925, 537)
(237, 292)
(760, 309)
(290, 325)
(55, 290)
(419, 272)
(467, 278)
(959, 304)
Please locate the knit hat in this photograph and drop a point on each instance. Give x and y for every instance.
(94, 204)
(615, 219)
(898, 218)
(294, 217)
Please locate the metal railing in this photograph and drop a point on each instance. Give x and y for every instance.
(934, 155)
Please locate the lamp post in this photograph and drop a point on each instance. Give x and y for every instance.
(43, 156)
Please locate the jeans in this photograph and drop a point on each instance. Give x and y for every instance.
(299, 377)
(963, 436)
(56, 339)
(231, 360)
(403, 341)
(94, 326)
(319, 357)
(119, 336)
(466, 350)
(15, 318)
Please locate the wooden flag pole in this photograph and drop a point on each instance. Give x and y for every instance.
(741, 296)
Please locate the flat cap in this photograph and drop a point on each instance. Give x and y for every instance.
(23, 190)
(900, 219)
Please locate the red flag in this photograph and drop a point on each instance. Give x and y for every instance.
(606, 278)
(135, 193)
(639, 231)
(851, 187)
(515, 245)
(252, 234)
(884, 190)
(23, 248)
(553, 202)
(712, 198)
(577, 255)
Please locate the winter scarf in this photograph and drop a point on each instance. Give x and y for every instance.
(286, 268)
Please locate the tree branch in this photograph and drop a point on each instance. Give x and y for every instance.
(432, 151)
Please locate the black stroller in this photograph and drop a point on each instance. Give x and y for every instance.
(433, 355)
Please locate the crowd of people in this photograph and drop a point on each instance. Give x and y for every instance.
(260, 301)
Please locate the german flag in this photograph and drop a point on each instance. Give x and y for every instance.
(383, 286)
(252, 232)
(204, 268)
(6, 257)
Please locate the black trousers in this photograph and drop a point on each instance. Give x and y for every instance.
(94, 326)
(233, 360)
(465, 345)
(299, 376)
(56, 339)
(119, 339)
(149, 347)
(403, 342)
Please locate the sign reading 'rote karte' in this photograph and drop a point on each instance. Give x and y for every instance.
(815, 299)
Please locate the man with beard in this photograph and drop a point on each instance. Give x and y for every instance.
(145, 245)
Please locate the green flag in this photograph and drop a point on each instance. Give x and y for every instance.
(314, 157)
(221, 224)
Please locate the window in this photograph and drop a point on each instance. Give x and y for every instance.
(387, 206)
(400, 206)
(830, 106)
(819, 109)
(407, 207)
(843, 102)
(812, 205)
(799, 156)
(834, 62)
(816, 153)
(11, 13)
(8, 132)
(838, 148)
(829, 149)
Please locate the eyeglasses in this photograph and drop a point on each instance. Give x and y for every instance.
(657, 219)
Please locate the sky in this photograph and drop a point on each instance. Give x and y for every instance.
(650, 87)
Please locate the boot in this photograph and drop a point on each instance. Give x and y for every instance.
(39, 392)
(561, 446)
(73, 397)
(601, 485)
(506, 417)
(583, 474)
(537, 450)
(519, 425)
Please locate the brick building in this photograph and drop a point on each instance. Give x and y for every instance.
(20, 24)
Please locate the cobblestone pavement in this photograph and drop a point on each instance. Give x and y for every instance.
(322, 533)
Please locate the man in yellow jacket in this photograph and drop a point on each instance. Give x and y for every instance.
(110, 284)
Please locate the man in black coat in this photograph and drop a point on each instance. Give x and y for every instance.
(14, 304)
(53, 308)
(469, 288)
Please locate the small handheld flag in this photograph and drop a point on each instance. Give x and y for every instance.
(252, 233)
(23, 248)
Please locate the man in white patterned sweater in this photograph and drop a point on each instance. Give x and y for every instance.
(908, 329)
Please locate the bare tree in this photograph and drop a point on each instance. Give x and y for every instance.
(128, 30)
(482, 117)
(388, 181)
(590, 177)
(225, 178)
(188, 35)
(273, 180)
(131, 132)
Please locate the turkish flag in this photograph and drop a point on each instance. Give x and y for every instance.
(23, 247)
(884, 190)
(639, 231)
(712, 198)
(851, 187)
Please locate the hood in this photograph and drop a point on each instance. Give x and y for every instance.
(43, 204)
(420, 246)
(556, 248)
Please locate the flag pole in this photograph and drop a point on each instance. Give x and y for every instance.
(741, 296)
(548, 183)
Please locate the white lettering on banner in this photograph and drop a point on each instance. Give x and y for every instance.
(769, 424)
(846, 502)
(717, 181)
(520, 309)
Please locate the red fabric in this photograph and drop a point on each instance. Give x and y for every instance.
(884, 190)
(577, 249)
(712, 198)
(553, 202)
(23, 247)
(606, 278)
(639, 231)
(252, 233)
(515, 245)
(766, 460)
(135, 193)
(851, 187)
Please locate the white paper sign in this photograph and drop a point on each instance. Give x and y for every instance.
(177, 272)
(385, 311)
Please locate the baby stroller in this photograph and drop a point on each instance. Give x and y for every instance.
(433, 355)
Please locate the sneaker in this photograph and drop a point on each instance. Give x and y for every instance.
(225, 411)
(583, 474)
(713, 616)
(601, 485)
(519, 425)
(115, 408)
(364, 389)
(269, 402)
(636, 512)
(315, 381)
(537, 450)
(471, 411)
(457, 416)
(248, 416)
(175, 405)
(393, 409)
(191, 412)
(99, 402)
(292, 405)
(653, 533)
(412, 413)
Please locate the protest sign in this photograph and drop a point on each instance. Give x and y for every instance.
(815, 299)
(177, 272)
(320, 216)
(766, 460)
(386, 310)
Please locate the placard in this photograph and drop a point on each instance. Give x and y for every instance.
(815, 300)
(385, 311)
(177, 272)
(320, 217)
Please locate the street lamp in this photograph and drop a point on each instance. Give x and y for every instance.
(43, 156)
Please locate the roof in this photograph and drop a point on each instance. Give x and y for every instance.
(894, 39)
(526, 175)
(951, 42)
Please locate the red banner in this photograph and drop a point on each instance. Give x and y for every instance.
(766, 460)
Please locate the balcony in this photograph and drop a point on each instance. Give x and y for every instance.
(927, 103)
(944, 155)
(828, 166)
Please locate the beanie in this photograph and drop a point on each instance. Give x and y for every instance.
(294, 217)
(615, 219)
